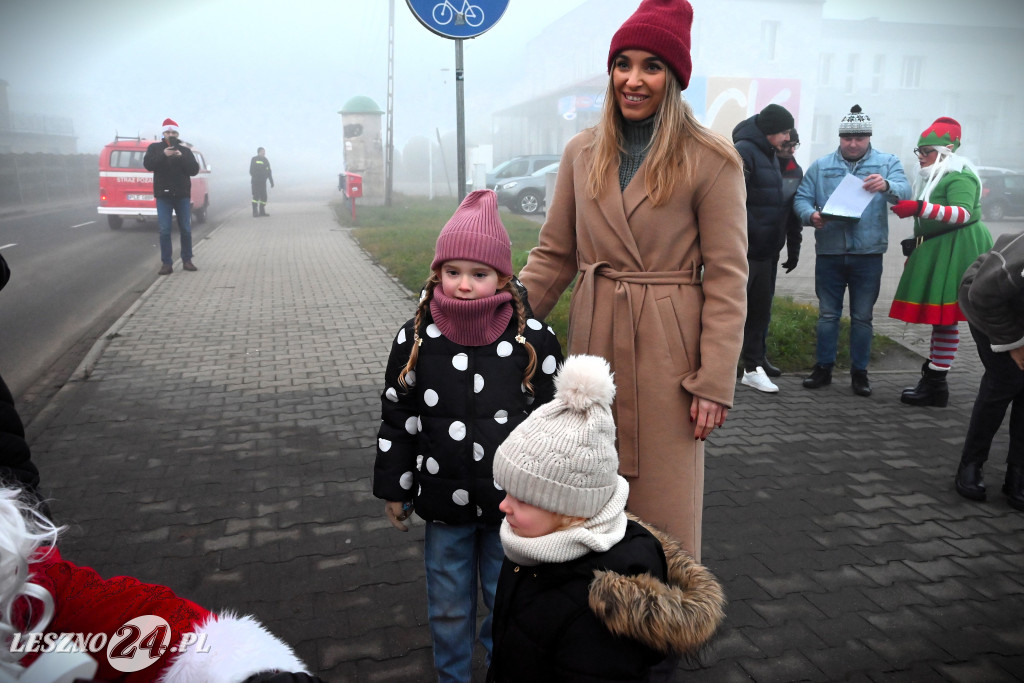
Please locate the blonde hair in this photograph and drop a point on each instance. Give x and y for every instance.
(676, 129)
(519, 311)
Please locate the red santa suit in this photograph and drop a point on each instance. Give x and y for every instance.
(217, 647)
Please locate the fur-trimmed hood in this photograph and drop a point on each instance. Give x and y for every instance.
(674, 617)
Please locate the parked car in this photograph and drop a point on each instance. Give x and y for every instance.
(526, 194)
(1002, 193)
(126, 187)
(516, 167)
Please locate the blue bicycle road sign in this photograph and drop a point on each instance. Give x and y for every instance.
(458, 18)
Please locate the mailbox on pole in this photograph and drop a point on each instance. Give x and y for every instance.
(459, 19)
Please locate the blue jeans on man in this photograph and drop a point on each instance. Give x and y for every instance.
(182, 207)
(861, 274)
(455, 555)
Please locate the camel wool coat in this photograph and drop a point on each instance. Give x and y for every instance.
(662, 296)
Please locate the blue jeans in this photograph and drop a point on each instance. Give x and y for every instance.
(833, 275)
(183, 208)
(454, 554)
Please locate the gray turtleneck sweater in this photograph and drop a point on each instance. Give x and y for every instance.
(637, 136)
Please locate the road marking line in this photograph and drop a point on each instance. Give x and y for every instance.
(12, 244)
(82, 224)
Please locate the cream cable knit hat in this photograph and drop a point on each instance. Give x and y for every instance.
(562, 458)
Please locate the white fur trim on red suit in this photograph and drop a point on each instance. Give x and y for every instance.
(238, 647)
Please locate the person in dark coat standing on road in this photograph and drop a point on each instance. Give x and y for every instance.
(586, 593)
(260, 173)
(173, 166)
(757, 139)
(463, 373)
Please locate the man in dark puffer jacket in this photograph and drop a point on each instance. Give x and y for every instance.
(757, 139)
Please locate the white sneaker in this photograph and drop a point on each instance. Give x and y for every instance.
(759, 381)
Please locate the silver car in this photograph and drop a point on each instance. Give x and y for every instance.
(525, 194)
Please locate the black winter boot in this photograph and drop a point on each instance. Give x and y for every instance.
(859, 382)
(263, 210)
(255, 210)
(931, 390)
(1013, 487)
(819, 377)
(969, 482)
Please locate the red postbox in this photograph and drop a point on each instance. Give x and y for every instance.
(353, 190)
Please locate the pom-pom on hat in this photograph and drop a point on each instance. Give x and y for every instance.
(855, 123)
(944, 131)
(774, 119)
(562, 457)
(475, 233)
(661, 27)
(169, 124)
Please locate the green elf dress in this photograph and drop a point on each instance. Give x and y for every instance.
(928, 289)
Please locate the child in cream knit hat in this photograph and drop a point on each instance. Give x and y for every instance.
(587, 592)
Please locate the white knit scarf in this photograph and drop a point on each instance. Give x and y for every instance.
(597, 534)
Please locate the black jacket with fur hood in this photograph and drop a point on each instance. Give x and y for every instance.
(607, 616)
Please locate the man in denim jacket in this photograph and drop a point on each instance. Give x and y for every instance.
(849, 252)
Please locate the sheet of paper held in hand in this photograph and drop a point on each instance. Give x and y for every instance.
(849, 200)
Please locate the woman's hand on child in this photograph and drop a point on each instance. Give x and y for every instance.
(398, 512)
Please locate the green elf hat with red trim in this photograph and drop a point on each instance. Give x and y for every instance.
(945, 131)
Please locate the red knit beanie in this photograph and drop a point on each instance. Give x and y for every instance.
(661, 27)
(475, 233)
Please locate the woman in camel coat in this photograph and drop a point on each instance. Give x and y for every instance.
(648, 208)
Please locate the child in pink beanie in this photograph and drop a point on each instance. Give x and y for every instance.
(463, 373)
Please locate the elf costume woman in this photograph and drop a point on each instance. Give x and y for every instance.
(949, 236)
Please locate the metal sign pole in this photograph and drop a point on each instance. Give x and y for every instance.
(460, 120)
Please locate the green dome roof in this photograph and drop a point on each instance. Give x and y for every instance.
(361, 104)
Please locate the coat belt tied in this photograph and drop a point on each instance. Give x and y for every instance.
(623, 358)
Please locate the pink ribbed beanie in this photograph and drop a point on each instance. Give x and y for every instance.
(475, 233)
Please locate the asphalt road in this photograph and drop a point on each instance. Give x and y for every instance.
(71, 278)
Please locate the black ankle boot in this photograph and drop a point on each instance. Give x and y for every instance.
(819, 377)
(969, 482)
(931, 390)
(770, 369)
(1013, 487)
(859, 382)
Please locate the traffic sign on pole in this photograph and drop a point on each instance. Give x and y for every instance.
(458, 19)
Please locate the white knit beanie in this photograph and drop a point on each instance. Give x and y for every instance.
(562, 457)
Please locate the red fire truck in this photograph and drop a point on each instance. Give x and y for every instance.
(126, 187)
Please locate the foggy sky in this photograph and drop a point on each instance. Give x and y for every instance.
(238, 74)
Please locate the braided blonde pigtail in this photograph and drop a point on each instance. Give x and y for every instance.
(421, 309)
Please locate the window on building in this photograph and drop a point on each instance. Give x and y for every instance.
(769, 40)
(851, 74)
(878, 75)
(911, 74)
(824, 69)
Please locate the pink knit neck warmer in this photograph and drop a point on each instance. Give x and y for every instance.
(476, 322)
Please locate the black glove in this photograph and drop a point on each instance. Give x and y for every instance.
(790, 264)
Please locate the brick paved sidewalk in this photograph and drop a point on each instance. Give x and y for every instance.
(223, 439)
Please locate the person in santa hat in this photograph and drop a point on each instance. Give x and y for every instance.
(948, 237)
(173, 166)
(133, 631)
